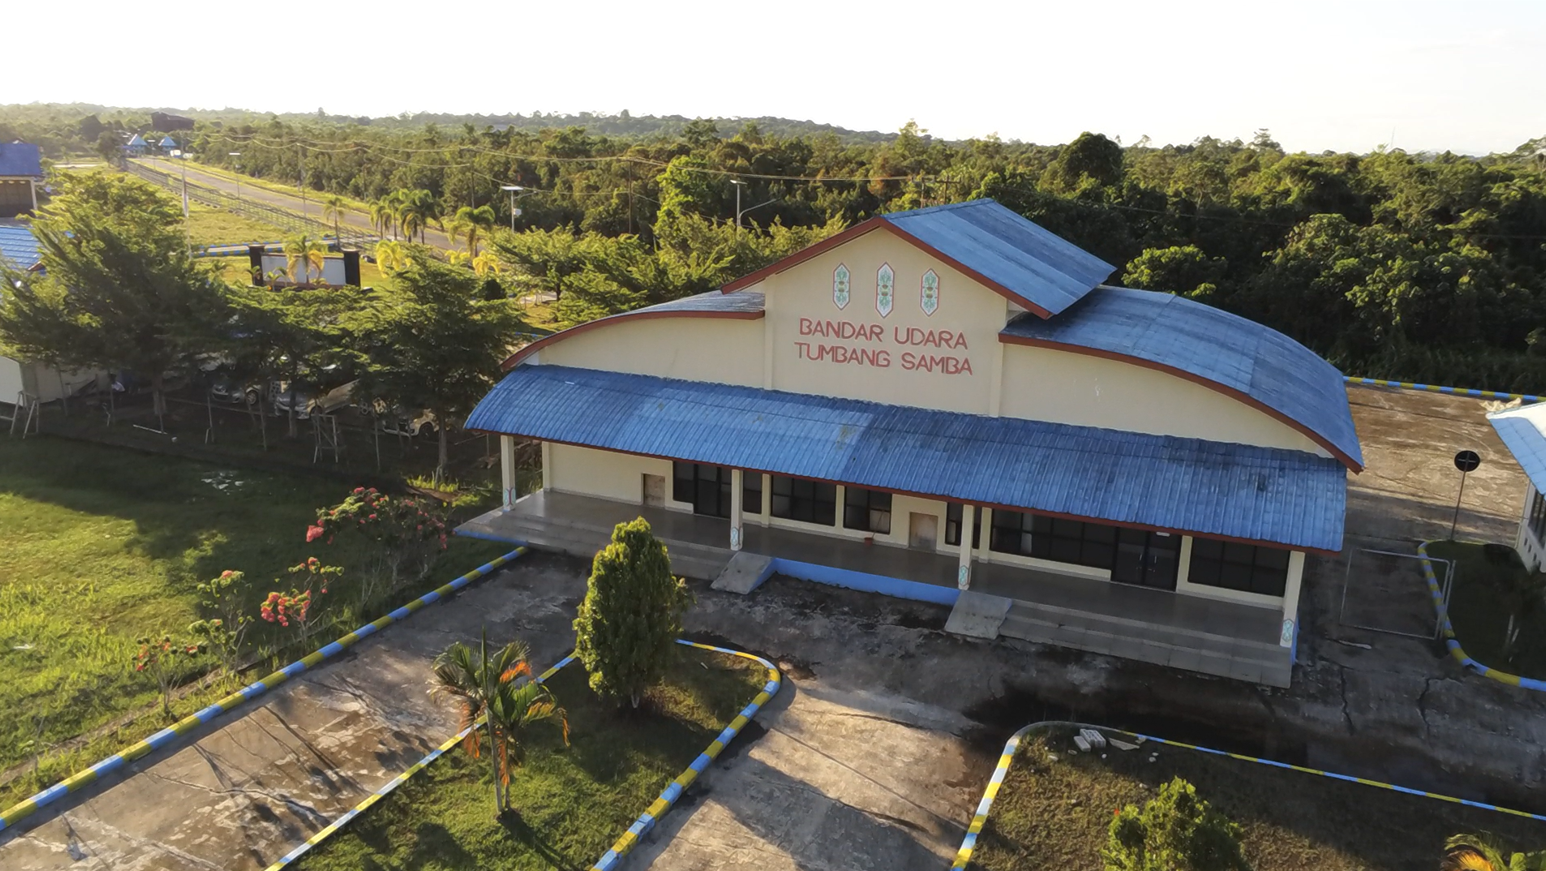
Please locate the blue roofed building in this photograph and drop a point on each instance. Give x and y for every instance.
(1523, 431)
(21, 380)
(951, 405)
(21, 170)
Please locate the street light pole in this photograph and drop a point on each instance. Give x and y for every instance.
(738, 185)
(238, 167)
(183, 159)
(512, 188)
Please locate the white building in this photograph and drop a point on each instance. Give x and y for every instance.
(1523, 431)
(1130, 472)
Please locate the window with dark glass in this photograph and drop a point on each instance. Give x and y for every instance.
(707, 488)
(1242, 567)
(953, 519)
(1053, 538)
(806, 501)
(868, 510)
(1538, 518)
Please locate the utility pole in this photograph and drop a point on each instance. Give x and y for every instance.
(738, 185)
(237, 165)
(300, 151)
(513, 189)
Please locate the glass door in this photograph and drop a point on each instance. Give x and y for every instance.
(1147, 559)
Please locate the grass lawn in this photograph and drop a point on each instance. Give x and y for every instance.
(1055, 814)
(574, 802)
(211, 226)
(100, 545)
(1478, 613)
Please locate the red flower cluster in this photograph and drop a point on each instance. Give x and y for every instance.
(281, 608)
(389, 520)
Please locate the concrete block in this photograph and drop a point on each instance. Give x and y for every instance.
(978, 615)
(745, 572)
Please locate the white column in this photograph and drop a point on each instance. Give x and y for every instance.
(968, 522)
(33, 186)
(507, 467)
(735, 509)
(1291, 599)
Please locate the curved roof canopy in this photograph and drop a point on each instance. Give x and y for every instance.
(1222, 351)
(1030, 266)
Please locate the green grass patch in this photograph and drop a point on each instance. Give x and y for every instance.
(211, 226)
(1478, 610)
(100, 545)
(573, 801)
(1056, 814)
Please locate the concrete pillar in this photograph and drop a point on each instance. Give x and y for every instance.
(507, 468)
(968, 522)
(1291, 599)
(33, 187)
(735, 509)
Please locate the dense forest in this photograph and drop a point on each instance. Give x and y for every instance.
(1418, 266)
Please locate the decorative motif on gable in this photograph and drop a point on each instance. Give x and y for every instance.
(929, 294)
(885, 289)
(840, 285)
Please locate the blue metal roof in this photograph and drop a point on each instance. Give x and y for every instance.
(1042, 270)
(21, 158)
(1212, 345)
(745, 302)
(1520, 430)
(1291, 498)
(18, 247)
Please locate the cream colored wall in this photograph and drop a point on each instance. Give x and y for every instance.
(720, 350)
(965, 308)
(609, 475)
(1531, 552)
(1046, 384)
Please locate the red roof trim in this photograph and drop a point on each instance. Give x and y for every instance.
(641, 315)
(937, 497)
(880, 223)
(1215, 386)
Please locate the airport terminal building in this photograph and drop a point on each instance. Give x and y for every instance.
(950, 405)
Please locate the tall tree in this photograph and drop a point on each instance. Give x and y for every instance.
(333, 209)
(119, 288)
(470, 225)
(430, 340)
(304, 256)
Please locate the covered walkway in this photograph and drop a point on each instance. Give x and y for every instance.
(1215, 637)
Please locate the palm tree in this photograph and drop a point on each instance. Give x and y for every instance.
(391, 256)
(499, 690)
(414, 211)
(471, 224)
(333, 209)
(1486, 853)
(304, 251)
(383, 216)
(486, 264)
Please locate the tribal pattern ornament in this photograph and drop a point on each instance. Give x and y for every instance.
(885, 289)
(840, 286)
(929, 298)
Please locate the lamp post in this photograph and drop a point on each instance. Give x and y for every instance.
(513, 189)
(238, 174)
(738, 185)
(182, 157)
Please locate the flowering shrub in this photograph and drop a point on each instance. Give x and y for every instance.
(302, 605)
(409, 531)
(224, 598)
(160, 659)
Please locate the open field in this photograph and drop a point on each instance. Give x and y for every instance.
(573, 801)
(103, 545)
(211, 226)
(1479, 615)
(1055, 812)
(313, 197)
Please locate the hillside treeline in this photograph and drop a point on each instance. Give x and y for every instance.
(1413, 266)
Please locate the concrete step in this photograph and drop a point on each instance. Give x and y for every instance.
(1141, 629)
(1191, 651)
(745, 572)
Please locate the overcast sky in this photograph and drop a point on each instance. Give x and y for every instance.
(1466, 76)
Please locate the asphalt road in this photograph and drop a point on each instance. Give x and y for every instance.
(290, 202)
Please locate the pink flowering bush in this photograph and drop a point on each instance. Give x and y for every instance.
(163, 659)
(409, 532)
(302, 605)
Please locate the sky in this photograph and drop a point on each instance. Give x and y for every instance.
(1349, 76)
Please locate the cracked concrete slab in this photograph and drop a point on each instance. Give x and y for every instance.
(242, 793)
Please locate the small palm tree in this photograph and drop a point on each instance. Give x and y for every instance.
(1486, 853)
(415, 209)
(499, 690)
(392, 256)
(333, 209)
(304, 252)
(470, 224)
(486, 264)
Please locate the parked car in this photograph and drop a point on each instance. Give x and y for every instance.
(224, 388)
(285, 396)
(399, 421)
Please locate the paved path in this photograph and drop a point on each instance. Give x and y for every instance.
(269, 776)
(290, 202)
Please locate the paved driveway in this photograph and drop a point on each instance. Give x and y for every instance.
(269, 776)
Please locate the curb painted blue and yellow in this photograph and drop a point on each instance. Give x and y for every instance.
(964, 856)
(393, 784)
(671, 793)
(1453, 643)
(14, 814)
(641, 826)
(1435, 388)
